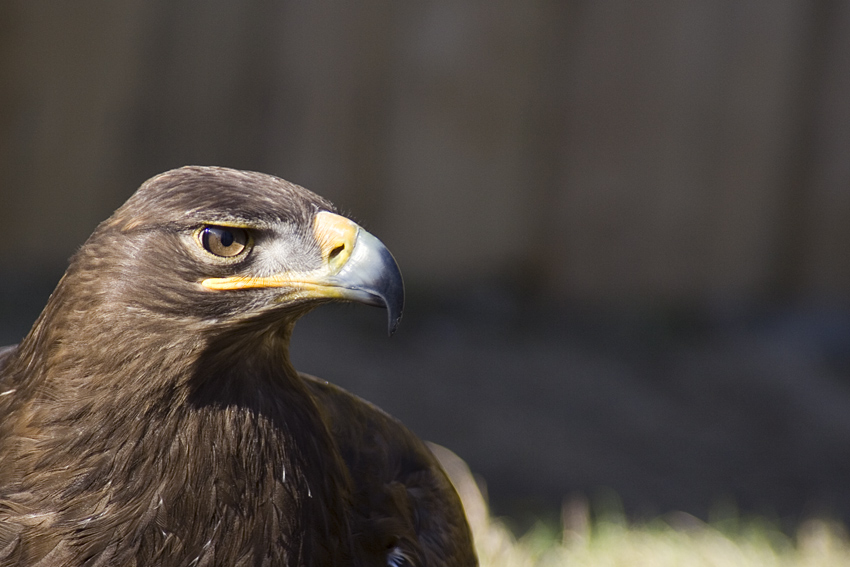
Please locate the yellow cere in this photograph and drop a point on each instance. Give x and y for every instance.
(336, 236)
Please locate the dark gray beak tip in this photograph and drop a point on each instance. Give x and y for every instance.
(394, 315)
(391, 292)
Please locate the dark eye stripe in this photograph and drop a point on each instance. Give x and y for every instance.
(224, 241)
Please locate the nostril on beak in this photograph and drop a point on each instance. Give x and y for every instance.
(335, 253)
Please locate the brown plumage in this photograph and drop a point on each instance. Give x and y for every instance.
(152, 416)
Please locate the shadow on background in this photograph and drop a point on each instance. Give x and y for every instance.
(623, 226)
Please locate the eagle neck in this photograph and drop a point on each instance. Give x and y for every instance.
(214, 437)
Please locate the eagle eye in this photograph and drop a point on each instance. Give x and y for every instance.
(223, 241)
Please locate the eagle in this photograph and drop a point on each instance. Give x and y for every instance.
(152, 417)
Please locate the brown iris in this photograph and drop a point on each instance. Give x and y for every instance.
(224, 241)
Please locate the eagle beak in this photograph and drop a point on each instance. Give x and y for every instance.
(356, 266)
(359, 265)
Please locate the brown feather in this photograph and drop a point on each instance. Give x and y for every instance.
(402, 497)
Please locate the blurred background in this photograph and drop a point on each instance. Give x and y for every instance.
(624, 226)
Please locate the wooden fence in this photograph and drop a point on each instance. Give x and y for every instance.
(589, 151)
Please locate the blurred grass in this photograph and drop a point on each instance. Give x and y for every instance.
(677, 540)
(608, 543)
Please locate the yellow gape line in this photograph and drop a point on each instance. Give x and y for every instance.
(336, 236)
